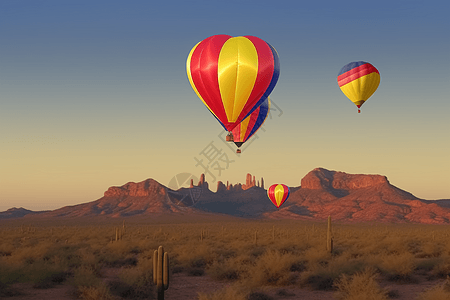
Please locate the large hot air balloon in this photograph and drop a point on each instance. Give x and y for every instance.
(278, 193)
(358, 81)
(245, 130)
(232, 75)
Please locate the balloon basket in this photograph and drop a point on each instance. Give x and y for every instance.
(238, 150)
(229, 137)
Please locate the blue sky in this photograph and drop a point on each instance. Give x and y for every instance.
(95, 94)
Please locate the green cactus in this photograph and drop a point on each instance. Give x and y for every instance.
(161, 271)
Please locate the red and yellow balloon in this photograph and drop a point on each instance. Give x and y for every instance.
(232, 75)
(358, 81)
(278, 194)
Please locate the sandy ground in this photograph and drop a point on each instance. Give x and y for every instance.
(183, 287)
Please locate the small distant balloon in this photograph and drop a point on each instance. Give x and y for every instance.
(278, 194)
(358, 81)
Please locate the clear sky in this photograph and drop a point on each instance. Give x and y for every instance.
(94, 94)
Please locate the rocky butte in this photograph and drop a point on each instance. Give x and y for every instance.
(322, 193)
(357, 198)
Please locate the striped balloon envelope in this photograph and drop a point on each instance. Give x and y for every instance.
(358, 81)
(232, 75)
(278, 194)
(247, 128)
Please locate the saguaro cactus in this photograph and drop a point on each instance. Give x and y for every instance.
(161, 271)
(329, 237)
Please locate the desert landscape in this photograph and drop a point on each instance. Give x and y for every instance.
(224, 150)
(234, 243)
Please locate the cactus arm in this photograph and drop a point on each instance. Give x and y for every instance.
(155, 264)
(166, 271)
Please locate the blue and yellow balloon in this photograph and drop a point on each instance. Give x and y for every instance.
(358, 81)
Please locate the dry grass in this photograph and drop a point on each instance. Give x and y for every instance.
(295, 254)
(360, 286)
(228, 293)
(100, 292)
(438, 292)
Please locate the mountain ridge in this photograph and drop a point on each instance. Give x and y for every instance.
(346, 197)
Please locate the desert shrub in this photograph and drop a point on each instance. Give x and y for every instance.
(316, 255)
(8, 291)
(298, 266)
(438, 292)
(399, 267)
(427, 264)
(11, 272)
(6, 249)
(88, 258)
(430, 249)
(442, 269)
(134, 283)
(32, 252)
(225, 253)
(198, 262)
(393, 294)
(66, 256)
(259, 296)
(320, 276)
(97, 292)
(85, 277)
(227, 293)
(192, 271)
(321, 280)
(256, 251)
(284, 293)
(223, 271)
(196, 255)
(271, 268)
(119, 247)
(360, 286)
(45, 275)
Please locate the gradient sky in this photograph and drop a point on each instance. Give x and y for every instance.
(94, 94)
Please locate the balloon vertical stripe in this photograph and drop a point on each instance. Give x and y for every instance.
(264, 109)
(274, 80)
(188, 68)
(238, 69)
(266, 68)
(278, 194)
(204, 73)
(245, 130)
(251, 123)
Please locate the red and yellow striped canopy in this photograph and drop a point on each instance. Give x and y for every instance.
(232, 75)
(278, 194)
